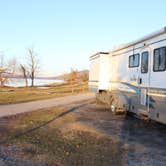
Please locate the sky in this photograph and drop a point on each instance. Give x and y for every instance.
(64, 33)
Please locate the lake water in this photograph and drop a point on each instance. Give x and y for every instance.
(20, 82)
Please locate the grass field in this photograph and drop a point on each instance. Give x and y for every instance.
(16, 95)
(61, 141)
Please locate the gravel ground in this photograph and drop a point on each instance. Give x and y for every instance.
(146, 140)
(143, 141)
(7, 154)
(8, 157)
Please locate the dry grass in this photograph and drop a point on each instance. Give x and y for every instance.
(63, 141)
(16, 95)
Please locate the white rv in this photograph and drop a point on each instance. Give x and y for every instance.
(133, 76)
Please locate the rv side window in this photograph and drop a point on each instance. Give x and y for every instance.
(159, 59)
(134, 60)
(144, 62)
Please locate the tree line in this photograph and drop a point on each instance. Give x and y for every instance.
(27, 70)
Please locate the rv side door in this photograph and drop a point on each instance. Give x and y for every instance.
(144, 79)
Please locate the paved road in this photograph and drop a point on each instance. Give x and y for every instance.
(12, 109)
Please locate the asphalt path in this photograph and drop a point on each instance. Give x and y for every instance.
(13, 109)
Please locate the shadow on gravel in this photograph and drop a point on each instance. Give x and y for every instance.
(144, 132)
(146, 140)
(126, 127)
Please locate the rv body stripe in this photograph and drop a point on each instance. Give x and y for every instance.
(157, 42)
(148, 37)
(98, 54)
(93, 81)
(151, 88)
(139, 47)
(161, 92)
(157, 95)
(149, 93)
(93, 58)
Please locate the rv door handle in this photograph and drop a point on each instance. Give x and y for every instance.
(140, 80)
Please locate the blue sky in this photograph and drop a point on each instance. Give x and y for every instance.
(65, 33)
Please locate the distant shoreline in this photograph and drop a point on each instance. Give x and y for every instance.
(38, 82)
(47, 78)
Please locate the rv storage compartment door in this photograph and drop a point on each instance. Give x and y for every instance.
(143, 96)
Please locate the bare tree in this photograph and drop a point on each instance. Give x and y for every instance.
(25, 73)
(3, 78)
(33, 64)
(11, 66)
(7, 69)
(2, 61)
(2, 70)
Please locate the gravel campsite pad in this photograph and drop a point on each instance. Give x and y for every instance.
(144, 140)
(86, 133)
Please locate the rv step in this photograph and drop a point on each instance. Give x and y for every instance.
(143, 114)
